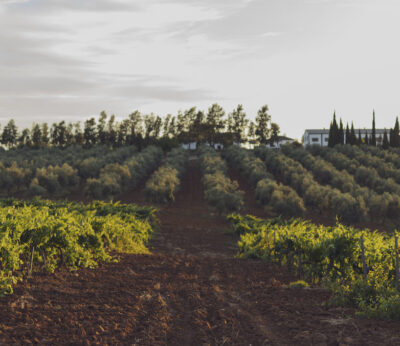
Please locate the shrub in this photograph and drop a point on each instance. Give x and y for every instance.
(222, 193)
(162, 185)
(115, 176)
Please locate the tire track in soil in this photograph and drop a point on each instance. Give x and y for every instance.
(190, 291)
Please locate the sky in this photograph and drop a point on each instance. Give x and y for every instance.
(71, 59)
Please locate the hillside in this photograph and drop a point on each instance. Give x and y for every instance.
(189, 291)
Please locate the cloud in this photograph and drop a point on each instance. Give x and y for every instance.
(72, 5)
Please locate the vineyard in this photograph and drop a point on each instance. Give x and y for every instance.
(362, 267)
(172, 248)
(44, 235)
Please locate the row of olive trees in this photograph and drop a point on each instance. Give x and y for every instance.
(163, 184)
(392, 155)
(377, 207)
(316, 196)
(364, 175)
(386, 170)
(114, 177)
(278, 198)
(55, 180)
(221, 192)
(88, 162)
(54, 174)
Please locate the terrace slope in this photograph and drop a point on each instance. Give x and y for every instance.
(189, 291)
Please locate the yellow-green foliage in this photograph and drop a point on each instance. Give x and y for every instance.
(164, 183)
(49, 234)
(299, 284)
(330, 255)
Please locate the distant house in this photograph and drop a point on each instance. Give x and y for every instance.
(193, 146)
(277, 142)
(321, 137)
(189, 146)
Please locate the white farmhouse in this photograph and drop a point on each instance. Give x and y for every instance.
(321, 137)
(278, 142)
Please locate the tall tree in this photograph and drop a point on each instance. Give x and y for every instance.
(149, 121)
(101, 128)
(111, 131)
(333, 132)
(275, 130)
(157, 126)
(198, 129)
(385, 141)
(135, 127)
(78, 134)
(251, 133)
(122, 132)
(172, 131)
(9, 135)
(89, 132)
(395, 135)
(45, 135)
(165, 126)
(263, 122)
(348, 135)
(58, 134)
(25, 138)
(237, 123)
(373, 134)
(215, 121)
(353, 138)
(69, 134)
(182, 124)
(36, 136)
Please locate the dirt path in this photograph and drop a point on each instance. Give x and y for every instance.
(190, 291)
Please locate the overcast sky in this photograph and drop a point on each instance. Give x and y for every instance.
(70, 59)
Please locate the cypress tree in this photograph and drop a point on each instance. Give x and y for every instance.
(373, 134)
(341, 133)
(353, 138)
(366, 138)
(391, 144)
(385, 142)
(348, 136)
(396, 134)
(333, 132)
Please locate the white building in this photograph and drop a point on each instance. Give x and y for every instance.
(189, 146)
(193, 146)
(278, 142)
(321, 137)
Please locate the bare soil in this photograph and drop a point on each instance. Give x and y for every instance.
(190, 291)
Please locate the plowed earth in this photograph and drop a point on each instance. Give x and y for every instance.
(189, 291)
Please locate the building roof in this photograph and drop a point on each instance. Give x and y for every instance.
(324, 131)
(316, 131)
(279, 138)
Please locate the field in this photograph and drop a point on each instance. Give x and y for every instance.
(181, 282)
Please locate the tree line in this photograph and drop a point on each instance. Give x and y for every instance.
(340, 135)
(192, 125)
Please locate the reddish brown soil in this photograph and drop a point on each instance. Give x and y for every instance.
(190, 291)
(251, 206)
